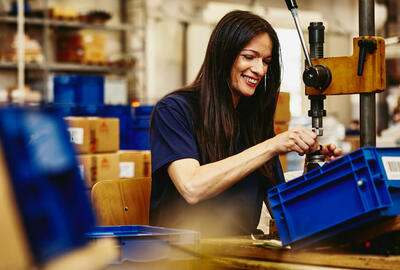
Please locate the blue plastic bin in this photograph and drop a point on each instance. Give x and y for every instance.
(352, 190)
(90, 110)
(143, 111)
(140, 134)
(61, 110)
(147, 243)
(50, 193)
(141, 127)
(79, 89)
(124, 114)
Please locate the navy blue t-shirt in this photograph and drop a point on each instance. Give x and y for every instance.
(236, 211)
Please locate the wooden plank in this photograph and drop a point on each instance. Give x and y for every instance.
(245, 248)
(374, 229)
(215, 263)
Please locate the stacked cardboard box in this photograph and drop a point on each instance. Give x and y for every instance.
(134, 163)
(84, 46)
(96, 141)
(281, 120)
(119, 180)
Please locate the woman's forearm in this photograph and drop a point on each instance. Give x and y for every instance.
(196, 183)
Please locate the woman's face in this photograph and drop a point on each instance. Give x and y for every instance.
(250, 66)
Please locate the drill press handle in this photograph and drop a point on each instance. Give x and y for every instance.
(291, 4)
(320, 76)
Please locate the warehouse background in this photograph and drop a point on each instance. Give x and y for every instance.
(166, 41)
(145, 49)
(114, 60)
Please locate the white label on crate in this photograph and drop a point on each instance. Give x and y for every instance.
(82, 170)
(392, 167)
(126, 169)
(76, 135)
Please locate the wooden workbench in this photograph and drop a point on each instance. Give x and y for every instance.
(245, 253)
(242, 253)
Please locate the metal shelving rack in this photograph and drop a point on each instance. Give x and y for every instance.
(126, 27)
(68, 24)
(136, 16)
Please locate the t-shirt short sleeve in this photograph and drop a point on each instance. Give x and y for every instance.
(172, 134)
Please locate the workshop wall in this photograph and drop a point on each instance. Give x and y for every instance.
(164, 57)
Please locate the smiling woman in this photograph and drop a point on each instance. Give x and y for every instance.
(214, 153)
(250, 66)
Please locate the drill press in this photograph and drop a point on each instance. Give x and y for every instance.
(362, 73)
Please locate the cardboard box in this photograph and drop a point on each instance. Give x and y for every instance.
(282, 112)
(105, 134)
(83, 46)
(94, 134)
(79, 129)
(66, 13)
(105, 167)
(280, 127)
(98, 167)
(85, 163)
(134, 163)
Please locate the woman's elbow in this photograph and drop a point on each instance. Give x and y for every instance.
(191, 200)
(191, 195)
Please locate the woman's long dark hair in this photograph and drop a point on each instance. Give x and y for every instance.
(216, 120)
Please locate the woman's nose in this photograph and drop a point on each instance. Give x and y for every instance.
(258, 67)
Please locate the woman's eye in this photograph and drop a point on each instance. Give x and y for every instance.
(267, 62)
(248, 57)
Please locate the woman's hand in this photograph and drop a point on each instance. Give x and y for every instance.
(299, 139)
(331, 152)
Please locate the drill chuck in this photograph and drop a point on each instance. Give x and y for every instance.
(317, 113)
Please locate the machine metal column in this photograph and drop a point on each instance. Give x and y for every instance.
(366, 20)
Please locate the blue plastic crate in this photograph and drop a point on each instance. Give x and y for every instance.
(49, 190)
(61, 110)
(352, 190)
(143, 111)
(79, 89)
(141, 127)
(140, 133)
(90, 110)
(148, 243)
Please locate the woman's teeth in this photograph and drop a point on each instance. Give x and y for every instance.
(250, 80)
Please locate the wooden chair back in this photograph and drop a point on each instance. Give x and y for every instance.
(122, 202)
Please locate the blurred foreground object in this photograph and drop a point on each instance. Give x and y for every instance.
(14, 250)
(54, 210)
